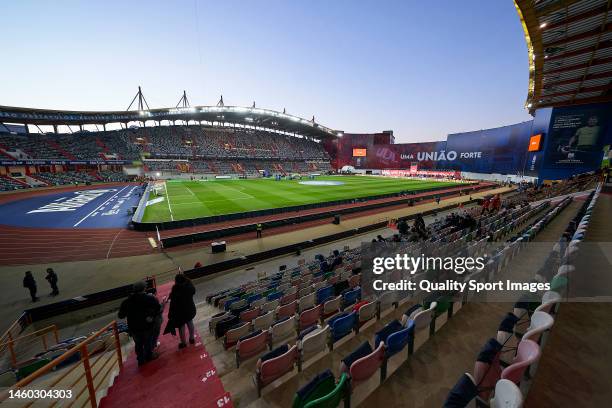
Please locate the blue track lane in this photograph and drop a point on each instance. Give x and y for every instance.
(86, 208)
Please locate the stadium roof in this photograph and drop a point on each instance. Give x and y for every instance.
(570, 51)
(221, 115)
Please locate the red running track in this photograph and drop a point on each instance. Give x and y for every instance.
(25, 245)
(178, 378)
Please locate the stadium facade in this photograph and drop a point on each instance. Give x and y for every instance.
(556, 144)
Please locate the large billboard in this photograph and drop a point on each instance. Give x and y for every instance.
(500, 150)
(576, 137)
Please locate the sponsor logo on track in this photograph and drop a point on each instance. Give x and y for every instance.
(80, 199)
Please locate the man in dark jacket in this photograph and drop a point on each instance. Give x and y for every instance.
(30, 283)
(52, 279)
(141, 310)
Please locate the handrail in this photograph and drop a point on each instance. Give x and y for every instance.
(17, 324)
(11, 343)
(81, 348)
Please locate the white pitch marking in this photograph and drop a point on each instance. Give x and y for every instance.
(168, 201)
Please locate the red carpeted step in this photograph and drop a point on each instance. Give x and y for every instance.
(178, 378)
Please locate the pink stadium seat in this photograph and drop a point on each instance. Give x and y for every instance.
(288, 298)
(271, 370)
(309, 317)
(365, 367)
(528, 352)
(251, 347)
(287, 310)
(354, 281)
(248, 315)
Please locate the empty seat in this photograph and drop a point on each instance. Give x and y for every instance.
(398, 340)
(305, 291)
(365, 367)
(462, 393)
(286, 310)
(341, 325)
(366, 312)
(251, 346)
(275, 296)
(321, 385)
(549, 301)
(309, 317)
(331, 306)
(235, 333)
(528, 352)
(216, 319)
(288, 298)
(540, 322)
(249, 315)
(306, 302)
(312, 343)
(386, 301)
(354, 281)
(264, 321)
(351, 297)
(238, 305)
(225, 324)
(269, 370)
(266, 307)
(324, 293)
(421, 317)
(259, 302)
(507, 395)
(487, 368)
(340, 392)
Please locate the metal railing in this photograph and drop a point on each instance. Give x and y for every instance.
(11, 343)
(76, 385)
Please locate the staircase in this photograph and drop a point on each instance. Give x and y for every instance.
(55, 146)
(177, 378)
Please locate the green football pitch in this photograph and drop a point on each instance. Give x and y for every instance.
(184, 199)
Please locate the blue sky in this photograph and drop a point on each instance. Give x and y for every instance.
(423, 69)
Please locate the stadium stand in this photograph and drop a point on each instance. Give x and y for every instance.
(68, 177)
(10, 184)
(319, 287)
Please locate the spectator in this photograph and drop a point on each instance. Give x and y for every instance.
(30, 283)
(142, 311)
(182, 309)
(402, 227)
(438, 200)
(337, 261)
(52, 279)
(259, 229)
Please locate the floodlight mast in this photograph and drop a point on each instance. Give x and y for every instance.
(142, 102)
(183, 102)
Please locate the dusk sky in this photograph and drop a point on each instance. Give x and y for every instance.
(422, 69)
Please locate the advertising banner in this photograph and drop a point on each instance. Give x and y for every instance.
(576, 137)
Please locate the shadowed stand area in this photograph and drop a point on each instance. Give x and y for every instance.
(576, 367)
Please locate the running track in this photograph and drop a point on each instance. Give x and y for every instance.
(35, 245)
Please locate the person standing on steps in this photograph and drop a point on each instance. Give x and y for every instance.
(30, 283)
(52, 279)
(141, 310)
(182, 310)
(259, 229)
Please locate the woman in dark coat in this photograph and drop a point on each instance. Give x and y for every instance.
(182, 309)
